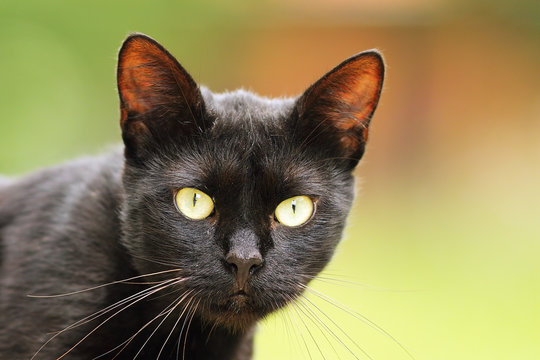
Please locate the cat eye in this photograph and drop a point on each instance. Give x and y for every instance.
(194, 204)
(294, 211)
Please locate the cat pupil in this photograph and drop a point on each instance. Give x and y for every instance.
(294, 206)
(195, 197)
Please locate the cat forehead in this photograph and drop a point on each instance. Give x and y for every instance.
(241, 106)
(249, 135)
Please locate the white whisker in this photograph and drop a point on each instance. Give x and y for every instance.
(298, 310)
(341, 330)
(178, 301)
(113, 315)
(125, 281)
(299, 329)
(318, 324)
(97, 314)
(358, 316)
(187, 329)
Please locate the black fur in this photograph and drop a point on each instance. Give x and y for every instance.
(104, 219)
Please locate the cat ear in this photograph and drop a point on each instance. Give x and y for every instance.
(159, 100)
(335, 112)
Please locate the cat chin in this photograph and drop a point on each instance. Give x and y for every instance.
(239, 314)
(235, 322)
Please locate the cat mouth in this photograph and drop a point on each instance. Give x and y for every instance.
(239, 293)
(241, 301)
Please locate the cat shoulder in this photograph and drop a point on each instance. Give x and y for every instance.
(49, 191)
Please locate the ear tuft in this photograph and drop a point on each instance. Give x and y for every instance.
(150, 77)
(158, 98)
(343, 101)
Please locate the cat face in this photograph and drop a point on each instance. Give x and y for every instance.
(205, 173)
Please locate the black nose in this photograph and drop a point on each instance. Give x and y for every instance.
(244, 264)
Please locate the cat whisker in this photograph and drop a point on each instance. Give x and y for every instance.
(288, 323)
(97, 314)
(178, 301)
(171, 332)
(187, 330)
(358, 316)
(111, 307)
(168, 293)
(294, 302)
(298, 310)
(156, 261)
(178, 346)
(338, 327)
(188, 309)
(312, 315)
(174, 326)
(143, 282)
(136, 300)
(126, 342)
(214, 325)
(125, 281)
(286, 319)
(166, 312)
(353, 284)
(299, 329)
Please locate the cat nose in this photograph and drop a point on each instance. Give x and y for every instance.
(244, 264)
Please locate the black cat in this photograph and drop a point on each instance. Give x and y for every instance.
(220, 210)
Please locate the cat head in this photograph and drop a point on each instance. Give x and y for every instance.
(246, 196)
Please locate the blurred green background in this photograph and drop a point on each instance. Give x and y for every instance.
(442, 248)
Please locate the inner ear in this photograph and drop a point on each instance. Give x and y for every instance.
(159, 100)
(337, 109)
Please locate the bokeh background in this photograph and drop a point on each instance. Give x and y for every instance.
(442, 250)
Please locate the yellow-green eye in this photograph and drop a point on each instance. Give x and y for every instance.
(294, 211)
(194, 203)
